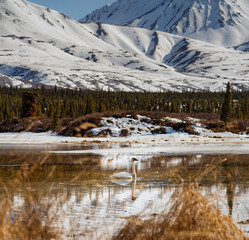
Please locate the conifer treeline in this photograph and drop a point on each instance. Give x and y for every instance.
(76, 103)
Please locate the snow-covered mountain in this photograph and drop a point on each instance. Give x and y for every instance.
(41, 46)
(221, 22)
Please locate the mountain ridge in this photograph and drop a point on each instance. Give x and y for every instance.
(226, 20)
(65, 53)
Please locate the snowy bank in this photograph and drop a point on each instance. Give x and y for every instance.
(137, 135)
(169, 144)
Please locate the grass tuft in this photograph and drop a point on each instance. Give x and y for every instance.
(188, 215)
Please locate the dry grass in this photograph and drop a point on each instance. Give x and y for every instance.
(235, 126)
(26, 124)
(191, 216)
(30, 218)
(188, 215)
(26, 214)
(185, 126)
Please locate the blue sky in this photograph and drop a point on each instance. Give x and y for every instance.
(75, 9)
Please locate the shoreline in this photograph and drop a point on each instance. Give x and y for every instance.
(166, 144)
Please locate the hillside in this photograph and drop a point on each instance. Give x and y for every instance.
(62, 52)
(40, 46)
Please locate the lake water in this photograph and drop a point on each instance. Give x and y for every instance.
(95, 204)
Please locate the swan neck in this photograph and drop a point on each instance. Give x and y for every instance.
(134, 170)
(133, 190)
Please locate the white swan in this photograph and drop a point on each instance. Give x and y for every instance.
(126, 175)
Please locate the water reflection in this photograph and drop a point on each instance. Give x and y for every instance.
(121, 182)
(93, 200)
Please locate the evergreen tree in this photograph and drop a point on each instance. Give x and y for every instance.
(238, 113)
(189, 106)
(49, 109)
(101, 107)
(173, 107)
(245, 108)
(77, 103)
(89, 105)
(29, 104)
(1, 116)
(6, 113)
(211, 107)
(56, 117)
(227, 109)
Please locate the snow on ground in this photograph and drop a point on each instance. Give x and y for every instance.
(168, 144)
(140, 126)
(140, 139)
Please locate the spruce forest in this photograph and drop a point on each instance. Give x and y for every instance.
(76, 103)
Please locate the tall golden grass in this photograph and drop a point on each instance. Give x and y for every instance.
(35, 215)
(191, 216)
(188, 215)
(30, 217)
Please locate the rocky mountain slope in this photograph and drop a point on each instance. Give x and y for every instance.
(41, 46)
(221, 22)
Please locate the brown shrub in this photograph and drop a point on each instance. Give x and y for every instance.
(160, 130)
(243, 125)
(88, 133)
(159, 122)
(215, 125)
(109, 121)
(83, 123)
(236, 126)
(26, 124)
(114, 114)
(134, 115)
(87, 125)
(105, 133)
(102, 133)
(124, 133)
(181, 126)
(146, 120)
(190, 129)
